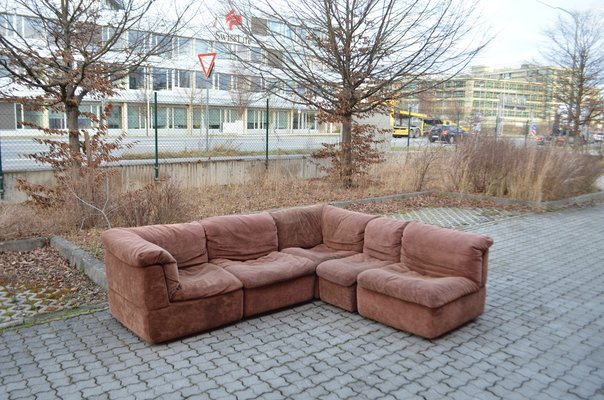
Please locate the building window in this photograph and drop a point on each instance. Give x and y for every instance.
(29, 119)
(256, 55)
(182, 46)
(136, 79)
(274, 58)
(201, 81)
(256, 119)
(223, 51)
(202, 46)
(282, 119)
(84, 121)
(161, 44)
(114, 119)
(259, 26)
(182, 78)
(224, 82)
(161, 79)
(137, 116)
(214, 118)
(56, 120)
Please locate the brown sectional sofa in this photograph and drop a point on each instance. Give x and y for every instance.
(169, 281)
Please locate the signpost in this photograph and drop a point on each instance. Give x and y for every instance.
(207, 65)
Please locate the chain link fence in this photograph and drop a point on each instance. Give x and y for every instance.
(175, 125)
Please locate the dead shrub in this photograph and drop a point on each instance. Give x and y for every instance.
(498, 167)
(364, 153)
(161, 202)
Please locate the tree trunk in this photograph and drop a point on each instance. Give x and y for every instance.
(72, 113)
(347, 150)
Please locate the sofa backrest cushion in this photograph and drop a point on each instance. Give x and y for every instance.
(383, 239)
(185, 242)
(240, 237)
(343, 229)
(436, 251)
(299, 227)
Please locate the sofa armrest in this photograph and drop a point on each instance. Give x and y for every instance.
(140, 271)
(134, 250)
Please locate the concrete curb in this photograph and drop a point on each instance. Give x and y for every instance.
(23, 244)
(581, 200)
(83, 261)
(379, 199)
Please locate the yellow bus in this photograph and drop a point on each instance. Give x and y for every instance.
(400, 120)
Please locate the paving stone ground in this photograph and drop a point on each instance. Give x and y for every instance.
(541, 337)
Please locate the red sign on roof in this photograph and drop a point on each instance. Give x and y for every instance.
(207, 63)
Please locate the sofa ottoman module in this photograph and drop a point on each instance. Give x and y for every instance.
(438, 285)
(161, 286)
(247, 247)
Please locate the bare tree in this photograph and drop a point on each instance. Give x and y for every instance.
(64, 51)
(576, 46)
(348, 57)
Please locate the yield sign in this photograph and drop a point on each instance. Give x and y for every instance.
(207, 63)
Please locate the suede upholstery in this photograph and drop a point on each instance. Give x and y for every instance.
(344, 271)
(438, 286)
(169, 281)
(240, 237)
(343, 229)
(299, 227)
(318, 254)
(205, 280)
(383, 239)
(460, 253)
(433, 292)
(273, 268)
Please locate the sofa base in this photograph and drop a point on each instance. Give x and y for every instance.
(178, 319)
(337, 295)
(278, 295)
(419, 320)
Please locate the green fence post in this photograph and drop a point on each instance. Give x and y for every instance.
(1, 173)
(408, 126)
(156, 141)
(266, 153)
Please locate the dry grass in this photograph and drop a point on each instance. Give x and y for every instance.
(501, 168)
(489, 167)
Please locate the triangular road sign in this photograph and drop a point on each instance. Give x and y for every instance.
(207, 63)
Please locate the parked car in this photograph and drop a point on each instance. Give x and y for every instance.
(446, 133)
(596, 137)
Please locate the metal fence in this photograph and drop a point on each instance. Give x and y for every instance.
(162, 126)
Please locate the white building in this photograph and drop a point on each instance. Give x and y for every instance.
(180, 84)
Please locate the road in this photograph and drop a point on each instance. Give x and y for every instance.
(14, 150)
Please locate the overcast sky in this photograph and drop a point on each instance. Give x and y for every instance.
(519, 25)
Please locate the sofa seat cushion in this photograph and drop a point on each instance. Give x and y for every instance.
(273, 268)
(319, 253)
(204, 280)
(344, 271)
(429, 291)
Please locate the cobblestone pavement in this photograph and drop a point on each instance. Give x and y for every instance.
(541, 337)
(457, 217)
